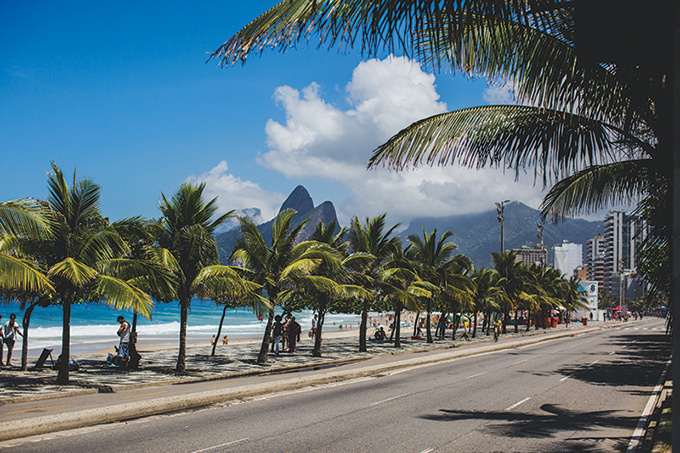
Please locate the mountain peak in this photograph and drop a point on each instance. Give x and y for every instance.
(299, 200)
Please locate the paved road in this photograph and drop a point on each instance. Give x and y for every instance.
(576, 394)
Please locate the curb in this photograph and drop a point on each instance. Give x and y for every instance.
(128, 411)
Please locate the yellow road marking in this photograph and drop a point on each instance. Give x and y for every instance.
(38, 409)
(143, 394)
(222, 383)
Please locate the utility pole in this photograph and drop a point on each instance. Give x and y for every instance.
(501, 218)
(539, 234)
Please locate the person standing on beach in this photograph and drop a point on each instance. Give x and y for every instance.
(10, 330)
(277, 333)
(124, 334)
(294, 330)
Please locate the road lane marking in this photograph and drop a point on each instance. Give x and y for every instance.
(428, 450)
(222, 383)
(143, 394)
(521, 361)
(593, 363)
(475, 375)
(509, 408)
(222, 445)
(638, 434)
(390, 399)
(612, 353)
(38, 409)
(564, 378)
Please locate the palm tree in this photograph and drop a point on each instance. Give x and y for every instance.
(267, 263)
(513, 277)
(188, 227)
(78, 253)
(435, 260)
(371, 239)
(486, 294)
(336, 265)
(401, 286)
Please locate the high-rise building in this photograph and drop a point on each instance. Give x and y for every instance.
(595, 259)
(567, 257)
(623, 238)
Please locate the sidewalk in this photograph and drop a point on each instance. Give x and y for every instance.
(157, 367)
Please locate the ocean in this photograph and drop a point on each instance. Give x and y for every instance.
(94, 326)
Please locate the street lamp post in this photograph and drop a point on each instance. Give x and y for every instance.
(501, 218)
(539, 233)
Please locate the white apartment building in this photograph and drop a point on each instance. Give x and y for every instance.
(623, 237)
(567, 257)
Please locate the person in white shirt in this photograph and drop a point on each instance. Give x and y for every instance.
(9, 332)
(124, 334)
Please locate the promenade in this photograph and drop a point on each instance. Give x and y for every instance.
(230, 361)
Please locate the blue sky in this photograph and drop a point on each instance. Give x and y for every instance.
(121, 91)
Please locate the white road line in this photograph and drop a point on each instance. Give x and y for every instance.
(222, 445)
(612, 353)
(638, 434)
(593, 363)
(564, 378)
(390, 399)
(521, 361)
(475, 375)
(517, 404)
(428, 450)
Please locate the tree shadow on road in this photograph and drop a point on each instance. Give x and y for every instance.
(552, 421)
(637, 361)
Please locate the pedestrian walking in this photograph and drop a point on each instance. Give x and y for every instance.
(278, 332)
(294, 330)
(124, 344)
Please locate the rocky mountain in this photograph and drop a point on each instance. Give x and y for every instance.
(298, 200)
(477, 235)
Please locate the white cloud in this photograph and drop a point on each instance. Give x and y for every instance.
(501, 93)
(233, 192)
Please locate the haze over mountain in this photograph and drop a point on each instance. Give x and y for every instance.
(298, 200)
(475, 235)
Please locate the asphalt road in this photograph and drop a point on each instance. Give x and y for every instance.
(584, 393)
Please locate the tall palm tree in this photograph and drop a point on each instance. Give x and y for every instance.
(371, 239)
(435, 260)
(188, 227)
(486, 294)
(268, 263)
(513, 278)
(336, 264)
(401, 286)
(78, 253)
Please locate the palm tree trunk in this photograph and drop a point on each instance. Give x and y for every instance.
(62, 376)
(316, 352)
(184, 314)
(474, 327)
(219, 331)
(516, 326)
(25, 322)
(428, 322)
(506, 315)
(456, 323)
(362, 327)
(266, 339)
(415, 324)
(397, 327)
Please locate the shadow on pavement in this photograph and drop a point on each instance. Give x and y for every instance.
(553, 420)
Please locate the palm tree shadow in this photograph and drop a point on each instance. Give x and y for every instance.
(553, 420)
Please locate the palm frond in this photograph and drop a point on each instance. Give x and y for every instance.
(515, 137)
(77, 273)
(17, 274)
(120, 295)
(598, 187)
